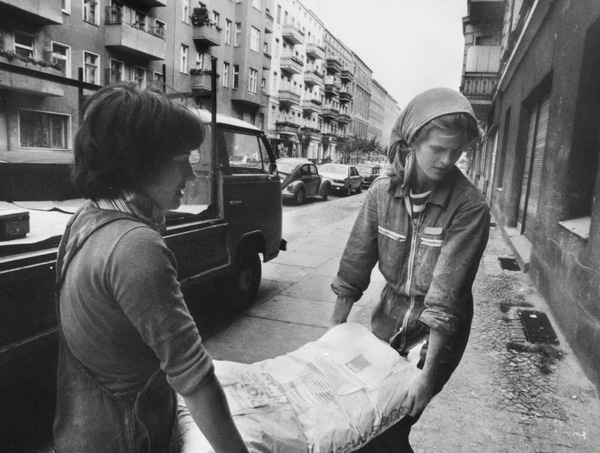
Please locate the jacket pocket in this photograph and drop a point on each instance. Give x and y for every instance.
(392, 247)
(430, 246)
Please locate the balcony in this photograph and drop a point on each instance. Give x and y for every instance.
(292, 65)
(137, 39)
(245, 97)
(328, 137)
(311, 106)
(287, 127)
(287, 97)
(312, 78)
(207, 35)
(344, 118)
(268, 23)
(27, 76)
(346, 76)
(292, 34)
(312, 133)
(315, 51)
(333, 65)
(200, 82)
(43, 12)
(330, 113)
(345, 96)
(332, 85)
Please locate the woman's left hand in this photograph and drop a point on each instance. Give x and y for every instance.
(418, 396)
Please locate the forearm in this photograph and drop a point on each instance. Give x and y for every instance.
(210, 410)
(437, 342)
(341, 310)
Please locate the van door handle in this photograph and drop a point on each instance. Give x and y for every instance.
(235, 201)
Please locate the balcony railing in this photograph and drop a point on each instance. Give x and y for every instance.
(292, 34)
(200, 82)
(287, 126)
(315, 51)
(289, 97)
(207, 35)
(43, 12)
(313, 78)
(344, 118)
(346, 75)
(330, 113)
(345, 96)
(25, 77)
(333, 65)
(142, 39)
(292, 65)
(311, 106)
(479, 86)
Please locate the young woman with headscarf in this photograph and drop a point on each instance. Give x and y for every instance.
(427, 226)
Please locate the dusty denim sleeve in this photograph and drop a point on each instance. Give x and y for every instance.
(360, 254)
(449, 297)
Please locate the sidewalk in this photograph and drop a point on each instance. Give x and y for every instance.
(523, 399)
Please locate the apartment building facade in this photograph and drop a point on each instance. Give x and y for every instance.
(539, 165)
(278, 67)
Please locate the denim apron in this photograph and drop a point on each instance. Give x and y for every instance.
(90, 418)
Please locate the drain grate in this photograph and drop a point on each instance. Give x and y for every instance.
(509, 264)
(537, 327)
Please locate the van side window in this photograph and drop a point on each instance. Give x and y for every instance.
(245, 152)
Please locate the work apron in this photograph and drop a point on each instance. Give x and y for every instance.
(90, 418)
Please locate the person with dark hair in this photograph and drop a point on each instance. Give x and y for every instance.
(127, 342)
(427, 226)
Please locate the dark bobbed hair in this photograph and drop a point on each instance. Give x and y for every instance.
(126, 136)
(456, 123)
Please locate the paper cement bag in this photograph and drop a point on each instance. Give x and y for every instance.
(332, 395)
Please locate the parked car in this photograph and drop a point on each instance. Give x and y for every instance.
(244, 161)
(344, 178)
(370, 172)
(301, 179)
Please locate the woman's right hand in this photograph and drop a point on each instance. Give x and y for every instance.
(341, 310)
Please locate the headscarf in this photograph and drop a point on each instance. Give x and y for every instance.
(423, 108)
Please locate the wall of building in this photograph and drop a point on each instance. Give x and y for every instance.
(558, 57)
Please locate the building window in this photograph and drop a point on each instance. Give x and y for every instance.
(159, 29)
(139, 77)
(253, 81)
(66, 6)
(91, 63)
(61, 55)
(254, 39)
(24, 45)
(90, 11)
(225, 74)
(256, 4)
(185, 11)
(199, 60)
(183, 61)
(279, 14)
(139, 20)
(43, 130)
(236, 76)
(216, 17)
(117, 71)
(238, 34)
(228, 25)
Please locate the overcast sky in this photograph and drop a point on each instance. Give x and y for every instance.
(410, 45)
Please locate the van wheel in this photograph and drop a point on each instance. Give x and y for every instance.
(300, 197)
(240, 286)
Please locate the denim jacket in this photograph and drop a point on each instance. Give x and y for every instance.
(429, 264)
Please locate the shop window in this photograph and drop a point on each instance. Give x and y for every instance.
(43, 130)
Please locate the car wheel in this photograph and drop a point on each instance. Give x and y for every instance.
(240, 285)
(300, 196)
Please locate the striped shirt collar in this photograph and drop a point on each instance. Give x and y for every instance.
(136, 205)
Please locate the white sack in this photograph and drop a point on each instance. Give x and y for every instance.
(329, 396)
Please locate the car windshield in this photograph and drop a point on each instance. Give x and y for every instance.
(284, 168)
(338, 170)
